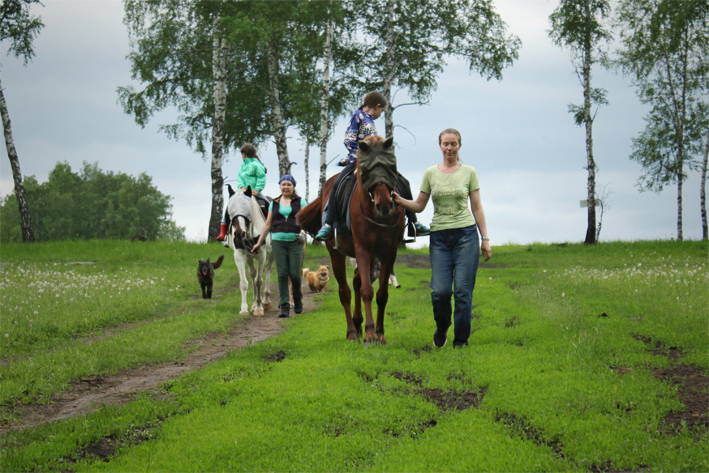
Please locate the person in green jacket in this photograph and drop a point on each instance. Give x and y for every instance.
(252, 173)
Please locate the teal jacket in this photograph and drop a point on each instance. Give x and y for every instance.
(252, 173)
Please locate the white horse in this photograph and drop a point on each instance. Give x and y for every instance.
(246, 224)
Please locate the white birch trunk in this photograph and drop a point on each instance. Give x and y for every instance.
(588, 120)
(25, 220)
(219, 62)
(679, 201)
(306, 163)
(390, 66)
(324, 106)
(279, 128)
(702, 191)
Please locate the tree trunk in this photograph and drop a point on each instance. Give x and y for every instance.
(324, 106)
(679, 204)
(25, 220)
(702, 192)
(588, 120)
(279, 128)
(390, 38)
(219, 62)
(306, 163)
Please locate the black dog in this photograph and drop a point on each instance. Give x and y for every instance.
(205, 275)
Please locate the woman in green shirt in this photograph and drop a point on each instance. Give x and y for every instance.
(455, 247)
(287, 242)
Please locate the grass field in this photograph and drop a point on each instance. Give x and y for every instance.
(580, 360)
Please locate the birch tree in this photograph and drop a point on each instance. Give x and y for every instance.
(702, 190)
(19, 27)
(183, 59)
(664, 45)
(578, 25)
(407, 42)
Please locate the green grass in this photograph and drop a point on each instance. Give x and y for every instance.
(544, 358)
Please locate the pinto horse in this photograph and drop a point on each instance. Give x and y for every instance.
(247, 222)
(377, 230)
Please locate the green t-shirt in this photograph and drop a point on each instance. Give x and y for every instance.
(285, 210)
(450, 194)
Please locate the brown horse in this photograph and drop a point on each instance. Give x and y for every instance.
(377, 230)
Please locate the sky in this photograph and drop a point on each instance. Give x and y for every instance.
(517, 133)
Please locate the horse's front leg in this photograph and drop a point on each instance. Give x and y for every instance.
(357, 315)
(266, 291)
(339, 269)
(256, 267)
(364, 260)
(383, 298)
(239, 259)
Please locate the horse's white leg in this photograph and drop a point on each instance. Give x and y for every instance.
(256, 307)
(243, 280)
(267, 279)
(393, 281)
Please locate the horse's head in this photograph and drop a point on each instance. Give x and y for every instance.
(240, 212)
(376, 167)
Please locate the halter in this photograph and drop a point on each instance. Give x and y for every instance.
(247, 242)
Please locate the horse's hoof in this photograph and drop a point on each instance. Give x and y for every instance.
(258, 311)
(352, 337)
(244, 312)
(267, 306)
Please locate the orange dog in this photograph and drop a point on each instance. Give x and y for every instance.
(317, 280)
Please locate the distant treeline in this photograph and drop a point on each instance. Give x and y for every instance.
(91, 204)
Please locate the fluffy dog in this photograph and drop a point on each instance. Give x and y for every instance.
(317, 280)
(205, 275)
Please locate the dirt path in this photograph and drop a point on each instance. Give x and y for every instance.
(87, 394)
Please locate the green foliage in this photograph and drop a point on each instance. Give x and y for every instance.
(424, 34)
(91, 204)
(20, 27)
(665, 49)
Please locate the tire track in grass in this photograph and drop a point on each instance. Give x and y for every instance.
(89, 393)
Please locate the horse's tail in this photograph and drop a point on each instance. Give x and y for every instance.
(309, 218)
(218, 262)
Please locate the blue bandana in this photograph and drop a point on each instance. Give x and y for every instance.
(287, 177)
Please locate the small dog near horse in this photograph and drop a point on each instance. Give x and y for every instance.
(205, 275)
(317, 280)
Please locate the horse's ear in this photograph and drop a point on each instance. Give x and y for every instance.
(389, 142)
(248, 192)
(231, 190)
(364, 146)
(207, 260)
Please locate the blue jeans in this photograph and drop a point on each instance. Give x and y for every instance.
(455, 254)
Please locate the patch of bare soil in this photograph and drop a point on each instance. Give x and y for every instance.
(88, 393)
(415, 261)
(446, 400)
(692, 388)
(522, 428)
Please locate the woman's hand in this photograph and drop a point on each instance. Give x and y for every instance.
(396, 197)
(255, 248)
(486, 249)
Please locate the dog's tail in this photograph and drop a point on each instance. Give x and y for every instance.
(305, 271)
(218, 262)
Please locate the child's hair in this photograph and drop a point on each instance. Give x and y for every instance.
(373, 99)
(249, 150)
(450, 131)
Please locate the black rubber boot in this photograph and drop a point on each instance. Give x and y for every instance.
(298, 306)
(285, 311)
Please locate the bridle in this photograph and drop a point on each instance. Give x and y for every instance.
(370, 220)
(247, 242)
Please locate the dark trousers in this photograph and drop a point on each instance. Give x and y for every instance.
(403, 186)
(289, 261)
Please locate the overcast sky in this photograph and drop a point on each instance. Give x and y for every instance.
(517, 132)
